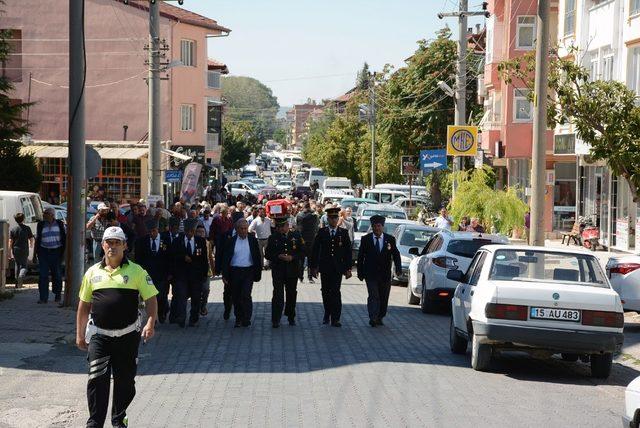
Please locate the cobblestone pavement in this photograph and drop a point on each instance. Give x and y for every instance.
(309, 375)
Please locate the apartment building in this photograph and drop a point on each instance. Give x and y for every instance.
(116, 92)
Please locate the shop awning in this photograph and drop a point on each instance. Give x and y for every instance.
(104, 152)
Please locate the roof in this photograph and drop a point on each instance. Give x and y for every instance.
(104, 152)
(181, 15)
(571, 250)
(474, 235)
(213, 64)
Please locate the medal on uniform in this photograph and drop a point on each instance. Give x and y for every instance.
(198, 251)
(388, 246)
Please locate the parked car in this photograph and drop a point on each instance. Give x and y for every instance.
(385, 210)
(624, 275)
(410, 205)
(631, 416)
(536, 299)
(383, 196)
(241, 188)
(284, 186)
(362, 226)
(410, 236)
(302, 191)
(334, 196)
(61, 212)
(445, 251)
(354, 203)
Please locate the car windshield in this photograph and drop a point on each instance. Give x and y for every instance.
(547, 266)
(387, 214)
(466, 247)
(363, 225)
(416, 237)
(390, 228)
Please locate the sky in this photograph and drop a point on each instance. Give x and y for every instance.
(313, 49)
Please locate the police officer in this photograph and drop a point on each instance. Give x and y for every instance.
(190, 269)
(152, 253)
(331, 256)
(108, 326)
(284, 250)
(377, 251)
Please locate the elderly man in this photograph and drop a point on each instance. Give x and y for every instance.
(241, 267)
(51, 238)
(261, 226)
(475, 226)
(96, 225)
(443, 221)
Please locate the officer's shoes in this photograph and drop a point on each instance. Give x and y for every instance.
(292, 322)
(193, 323)
(204, 311)
(246, 323)
(325, 320)
(238, 324)
(373, 323)
(336, 324)
(275, 325)
(380, 322)
(123, 424)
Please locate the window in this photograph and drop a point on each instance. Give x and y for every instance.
(213, 79)
(496, 110)
(607, 65)
(634, 71)
(475, 275)
(213, 141)
(634, 7)
(522, 106)
(466, 247)
(188, 52)
(12, 67)
(526, 32)
(186, 117)
(569, 17)
(594, 66)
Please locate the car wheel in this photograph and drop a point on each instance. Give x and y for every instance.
(427, 305)
(457, 343)
(480, 354)
(411, 299)
(572, 358)
(601, 365)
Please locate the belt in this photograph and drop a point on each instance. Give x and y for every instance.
(93, 329)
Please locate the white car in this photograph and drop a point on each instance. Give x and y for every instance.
(631, 416)
(284, 186)
(363, 226)
(385, 210)
(447, 250)
(551, 301)
(241, 188)
(624, 275)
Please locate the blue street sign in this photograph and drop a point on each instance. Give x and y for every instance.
(433, 159)
(173, 176)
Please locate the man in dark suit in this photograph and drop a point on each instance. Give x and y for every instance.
(190, 268)
(331, 256)
(152, 253)
(284, 251)
(241, 267)
(377, 250)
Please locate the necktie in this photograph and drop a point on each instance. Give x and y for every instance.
(153, 245)
(333, 233)
(189, 247)
(378, 243)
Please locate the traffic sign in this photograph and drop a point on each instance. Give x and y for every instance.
(409, 165)
(433, 159)
(462, 140)
(173, 176)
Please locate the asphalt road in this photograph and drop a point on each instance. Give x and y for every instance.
(402, 374)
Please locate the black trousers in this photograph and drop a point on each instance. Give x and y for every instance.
(282, 285)
(184, 288)
(378, 299)
(107, 356)
(227, 297)
(331, 298)
(162, 284)
(241, 281)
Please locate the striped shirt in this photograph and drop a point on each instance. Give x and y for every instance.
(51, 236)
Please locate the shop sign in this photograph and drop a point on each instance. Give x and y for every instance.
(173, 176)
(622, 234)
(564, 144)
(195, 152)
(462, 140)
(409, 165)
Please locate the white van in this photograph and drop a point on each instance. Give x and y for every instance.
(382, 195)
(315, 174)
(415, 190)
(291, 162)
(27, 203)
(338, 183)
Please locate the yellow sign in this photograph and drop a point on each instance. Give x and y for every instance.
(462, 140)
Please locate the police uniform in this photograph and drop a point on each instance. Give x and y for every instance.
(331, 256)
(113, 335)
(284, 273)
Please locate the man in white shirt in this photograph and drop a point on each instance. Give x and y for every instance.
(261, 226)
(443, 221)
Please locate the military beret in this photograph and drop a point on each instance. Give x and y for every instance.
(174, 221)
(377, 219)
(151, 224)
(332, 212)
(190, 224)
(281, 221)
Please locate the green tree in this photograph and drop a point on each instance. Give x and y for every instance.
(239, 141)
(249, 100)
(17, 171)
(363, 78)
(605, 114)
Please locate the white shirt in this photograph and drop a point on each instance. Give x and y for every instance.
(190, 242)
(241, 253)
(380, 242)
(333, 232)
(157, 240)
(443, 223)
(261, 227)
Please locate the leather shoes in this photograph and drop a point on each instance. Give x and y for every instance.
(275, 325)
(336, 324)
(373, 323)
(325, 320)
(246, 323)
(292, 322)
(379, 322)
(238, 324)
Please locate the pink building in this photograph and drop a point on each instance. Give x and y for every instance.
(507, 127)
(116, 94)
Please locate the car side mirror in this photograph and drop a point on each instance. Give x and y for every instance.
(415, 251)
(455, 275)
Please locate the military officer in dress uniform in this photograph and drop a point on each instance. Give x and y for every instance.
(285, 249)
(152, 253)
(377, 251)
(331, 256)
(190, 269)
(109, 327)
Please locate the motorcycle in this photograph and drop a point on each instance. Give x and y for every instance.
(589, 233)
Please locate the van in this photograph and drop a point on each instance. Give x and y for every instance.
(383, 196)
(27, 203)
(338, 183)
(315, 174)
(415, 190)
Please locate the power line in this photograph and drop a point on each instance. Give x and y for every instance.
(100, 85)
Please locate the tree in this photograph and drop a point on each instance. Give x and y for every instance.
(238, 143)
(363, 78)
(17, 171)
(606, 114)
(249, 100)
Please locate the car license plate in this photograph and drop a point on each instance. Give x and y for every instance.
(557, 314)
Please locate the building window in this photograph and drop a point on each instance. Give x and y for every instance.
(594, 65)
(569, 17)
(188, 52)
(213, 141)
(522, 106)
(634, 7)
(213, 79)
(634, 71)
(526, 32)
(12, 67)
(607, 65)
(186, 117)
(497, 108)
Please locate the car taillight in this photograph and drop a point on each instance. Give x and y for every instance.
(506, 312)
(445, 262)
(603, 319)
(624, 268)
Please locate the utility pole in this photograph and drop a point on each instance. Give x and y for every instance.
(461, 73)
(77, 181)
(155, 169)
(372, 125)
(539, 125)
